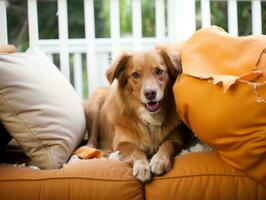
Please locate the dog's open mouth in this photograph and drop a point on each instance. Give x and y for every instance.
(152, 106)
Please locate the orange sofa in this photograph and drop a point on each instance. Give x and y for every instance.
(223, 105)
(194, 176)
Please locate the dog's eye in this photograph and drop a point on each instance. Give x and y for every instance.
(158, 71)
(135, 75)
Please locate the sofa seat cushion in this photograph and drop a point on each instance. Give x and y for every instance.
(204, 176)
(99, 179)
(194, 176)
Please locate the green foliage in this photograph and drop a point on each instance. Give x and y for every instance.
(198, 17)
(125, 8)
(102, 19)
(76, 19)
(148, 18)
(219, 14)
(244, 18)
(17, 23)
(47, 19)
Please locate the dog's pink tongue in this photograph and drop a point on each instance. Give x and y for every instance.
(152, 106)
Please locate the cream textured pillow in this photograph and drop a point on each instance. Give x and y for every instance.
(40, 108)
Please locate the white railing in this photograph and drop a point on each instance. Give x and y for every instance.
(181, 24)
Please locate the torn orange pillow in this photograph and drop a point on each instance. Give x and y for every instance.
(85, 152)
(221, 95)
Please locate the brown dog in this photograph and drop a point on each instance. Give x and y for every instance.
(137, 115)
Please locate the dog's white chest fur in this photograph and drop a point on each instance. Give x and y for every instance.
(153, 123)
(154, 119)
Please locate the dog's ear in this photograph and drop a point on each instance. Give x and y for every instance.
(117, 68)
(171, 58)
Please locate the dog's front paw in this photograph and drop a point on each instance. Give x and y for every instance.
(160, 164)
(142, 171)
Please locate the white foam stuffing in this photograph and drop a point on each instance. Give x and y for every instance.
(34, 167)
(73, 159)
(24, 165)
(197, 148)
(114, 155)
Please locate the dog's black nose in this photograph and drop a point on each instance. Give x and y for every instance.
(150, 94)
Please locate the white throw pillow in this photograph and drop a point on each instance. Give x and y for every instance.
(40, 108)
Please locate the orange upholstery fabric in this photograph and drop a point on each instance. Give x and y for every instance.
(194, 176)
(221, 96)
(203, 176)
(86, 152)
(87, 179)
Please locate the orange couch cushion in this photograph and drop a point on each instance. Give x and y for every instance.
(194, 176)
(221, 95)
(99, 179)
(203, 176)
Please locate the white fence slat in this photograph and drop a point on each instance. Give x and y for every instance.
(232, 17)
(3, 23)
(33, 22)
(90, 47)
(78, 80)
(256, 17)
(205, 13)
(160, 19)
(63, 37)
(181, 19)
(114, 25)
(170, 20)
(101, 44)
(137, 24)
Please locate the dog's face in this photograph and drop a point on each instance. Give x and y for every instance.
(145, 76)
